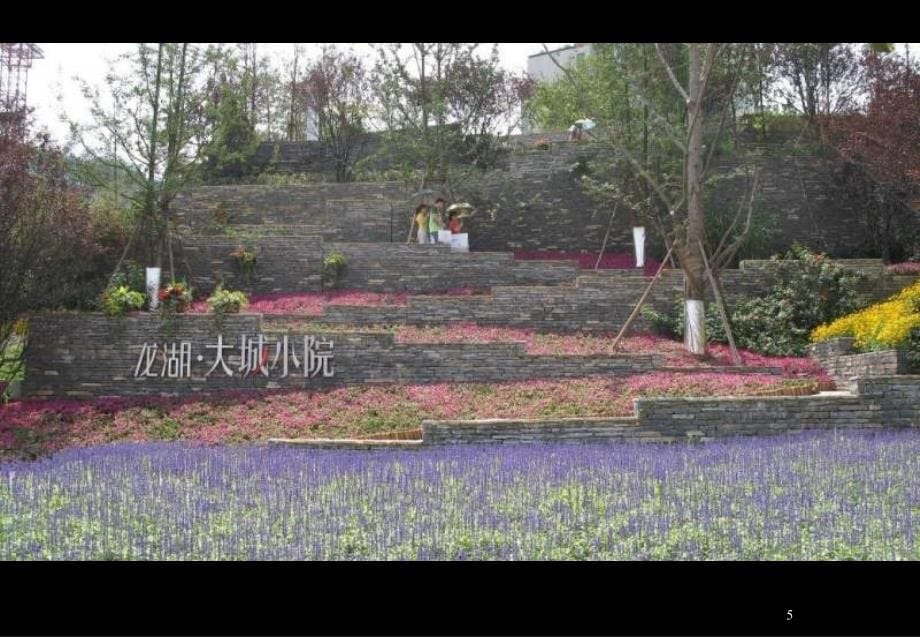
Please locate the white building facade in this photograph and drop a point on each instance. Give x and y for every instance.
(544, 67)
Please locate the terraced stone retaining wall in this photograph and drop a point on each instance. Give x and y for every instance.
(876, 403)
(598, 302)
(840, 358)
(85, 355)
(337, 212)
(537, 203)
(295, 264)
(283, 264)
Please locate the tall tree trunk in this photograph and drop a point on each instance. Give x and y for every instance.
(760, 102)
(115, 157)
(645, 157)
(150, 207)
(291, 128)
(252, 87)
(439, 84)
(175, 130)
(422, 53)
(691, 259)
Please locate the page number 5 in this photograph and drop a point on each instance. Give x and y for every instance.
(789, 615)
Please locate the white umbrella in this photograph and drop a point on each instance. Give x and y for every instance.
(587, 124)
(466, 210)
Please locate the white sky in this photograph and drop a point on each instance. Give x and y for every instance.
(52, 77)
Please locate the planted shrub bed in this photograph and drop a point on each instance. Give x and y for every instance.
(890, 324)
(805, 497)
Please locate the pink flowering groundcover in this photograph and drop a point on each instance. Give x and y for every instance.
(908, 267)
(32, 428)
(587, 260)
(674, 352)
(312, 303)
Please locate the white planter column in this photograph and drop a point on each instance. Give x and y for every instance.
(695, 326)
(639, 243)
(153, 287)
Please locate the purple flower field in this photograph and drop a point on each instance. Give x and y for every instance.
(795, 497)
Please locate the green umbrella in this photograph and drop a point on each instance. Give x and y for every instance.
(425, 194)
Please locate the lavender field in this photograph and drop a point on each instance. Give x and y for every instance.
(800, 497)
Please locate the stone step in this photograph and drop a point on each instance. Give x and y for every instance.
(356, 444)
(276, 229)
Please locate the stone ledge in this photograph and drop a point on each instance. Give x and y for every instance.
(345, 443)
(891, 402)
(574, 421)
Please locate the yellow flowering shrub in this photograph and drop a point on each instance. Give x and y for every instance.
(883, 325)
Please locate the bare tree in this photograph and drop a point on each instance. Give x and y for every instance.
(337, 88)
(295, 123)
(823, 78)
(156, 120)
(443, 106)
(683, 159)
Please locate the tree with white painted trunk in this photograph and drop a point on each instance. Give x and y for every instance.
(660, 173)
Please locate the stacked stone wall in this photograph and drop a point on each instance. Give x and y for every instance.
(599, 302)
(283, 264)
(336, 212)
(880, 402)
(845, 364)
(89, 355)
(537, 202)
(295, 264)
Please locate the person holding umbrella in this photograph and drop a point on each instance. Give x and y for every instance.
(454, 224)
(436, 219)
(421, 220)
(577, 130)
(416, 222)
(456, 214)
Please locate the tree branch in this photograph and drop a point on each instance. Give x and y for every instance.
(667, 67)
(724, 256)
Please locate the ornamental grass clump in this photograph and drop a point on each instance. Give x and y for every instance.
(224, 302)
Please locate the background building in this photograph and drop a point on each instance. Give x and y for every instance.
(544, 67)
